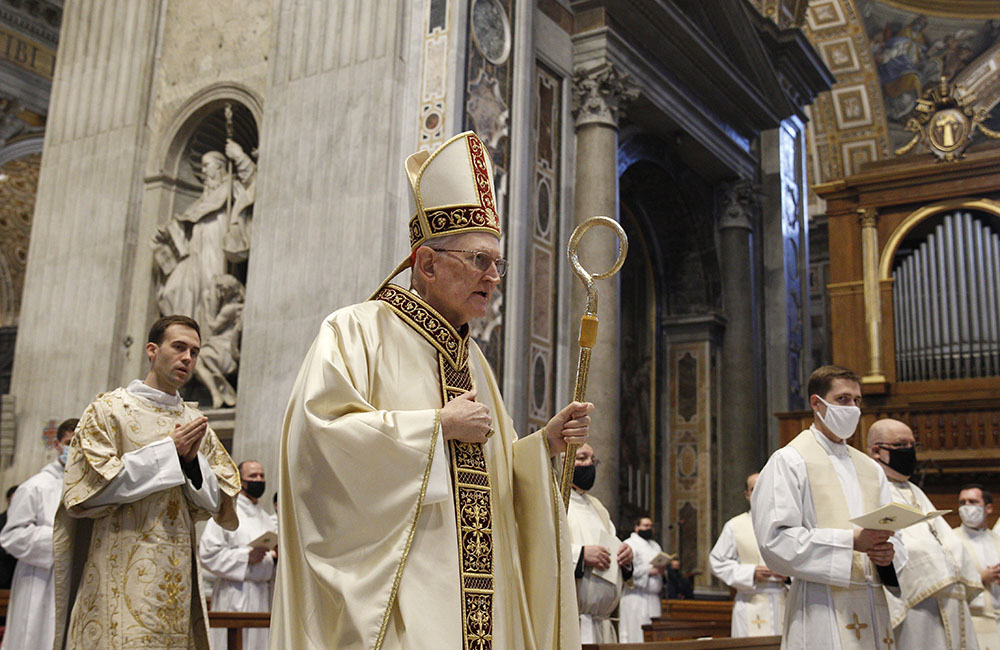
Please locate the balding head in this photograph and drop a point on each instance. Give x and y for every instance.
(889, 431)
(886, 437)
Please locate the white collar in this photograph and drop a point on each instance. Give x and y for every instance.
(141, 389)
(832, 448)
(976, 532)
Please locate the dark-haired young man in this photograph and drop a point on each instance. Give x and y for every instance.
(975, 505)
(143, 467)
(27, 535)
(801, 507)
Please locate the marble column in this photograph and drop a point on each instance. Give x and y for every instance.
(784, 243)
(868, 217)
(330, 217)
(600, 96)
(739, 445)
(72, 342)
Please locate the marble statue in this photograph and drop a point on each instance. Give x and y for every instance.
(220, 337)
(194, 251)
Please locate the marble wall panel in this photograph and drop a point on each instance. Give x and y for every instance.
(332, 202)
(689, 475)
(85, 218)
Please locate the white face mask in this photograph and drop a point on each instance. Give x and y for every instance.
(840, 420)
(972, 515)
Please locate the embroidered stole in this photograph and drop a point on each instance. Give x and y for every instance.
(469, 472)
(762, 618)
(861, 610)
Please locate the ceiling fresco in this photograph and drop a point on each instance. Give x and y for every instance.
(886, 54)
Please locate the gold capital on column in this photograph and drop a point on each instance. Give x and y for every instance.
(868, 218)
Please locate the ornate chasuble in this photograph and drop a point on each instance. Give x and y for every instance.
(469, 472)
(126, 574)
(861, 609)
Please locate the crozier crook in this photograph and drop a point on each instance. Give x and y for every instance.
(588, 325)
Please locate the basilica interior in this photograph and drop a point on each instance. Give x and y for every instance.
(802, 182)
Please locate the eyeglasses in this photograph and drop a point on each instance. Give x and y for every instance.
(898, 445)
(480, 260)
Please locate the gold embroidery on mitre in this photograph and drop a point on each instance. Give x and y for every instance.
(470, 473)
(441, 220)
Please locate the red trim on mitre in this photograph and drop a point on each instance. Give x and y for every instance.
(481, 171)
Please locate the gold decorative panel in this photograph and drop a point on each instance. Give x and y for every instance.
(18, 186)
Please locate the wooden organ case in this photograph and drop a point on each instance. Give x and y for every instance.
(915, 308)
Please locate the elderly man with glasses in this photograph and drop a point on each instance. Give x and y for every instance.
(412, 515)
(930, 608)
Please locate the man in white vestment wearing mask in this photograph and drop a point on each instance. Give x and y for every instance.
(27, 536)
(930, 609)
(640, 602)
(975, 506)
(801, 509)
(243, 574)
(595, 549)
(759, 606)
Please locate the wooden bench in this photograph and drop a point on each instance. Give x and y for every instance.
(754, 643)
(690, 619)
(234, 622)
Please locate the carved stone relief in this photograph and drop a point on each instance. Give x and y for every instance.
(601, 94)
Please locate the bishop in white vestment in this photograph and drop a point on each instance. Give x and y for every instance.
(983, 544)
(411, 513)
(800, 509)
(243, 574)
(759, 606)
(27, 535)
(930, 608)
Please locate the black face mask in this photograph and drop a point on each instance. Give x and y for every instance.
(256, 488)
(583, 476)
(645, 534)
(903, 461)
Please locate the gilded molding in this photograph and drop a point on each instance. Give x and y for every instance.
(601, 95)
(868, 217)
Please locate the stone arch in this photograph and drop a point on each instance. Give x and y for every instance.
(202, 197)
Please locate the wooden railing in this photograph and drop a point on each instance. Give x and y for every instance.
(690, 619)
(954, 437)
(234, 622)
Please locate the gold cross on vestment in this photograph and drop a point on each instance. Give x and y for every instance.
(888, 640)
(758, 621)
(857, 626)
